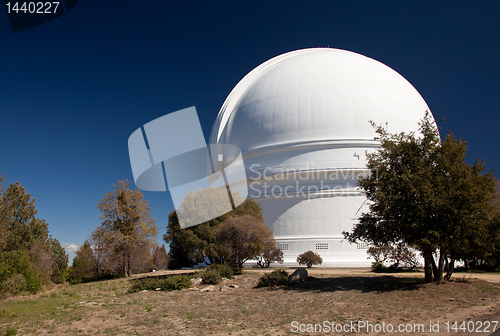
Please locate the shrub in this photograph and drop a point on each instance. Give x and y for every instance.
(14, 284)
(237, 270)
(173, 282)
(11, 331)
(378, 267)
(309, 258)
(20, 262)
(214, 273)
(275, 278)
(211, 276)
(405, 257)
(176, 282)
(380, 253)
(270, 254)
(224, 270)
(401, 256)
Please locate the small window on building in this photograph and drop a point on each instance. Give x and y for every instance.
(283, 246)
(321, 246)
(362, 246)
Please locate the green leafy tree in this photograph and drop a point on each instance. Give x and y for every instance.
(197, 243)
(422, 193)
(127, 220)
(309, 259)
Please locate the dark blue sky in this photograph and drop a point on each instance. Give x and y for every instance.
(74, 89)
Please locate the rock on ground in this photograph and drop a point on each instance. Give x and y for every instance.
(300, 275)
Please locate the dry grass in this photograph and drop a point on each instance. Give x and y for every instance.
(106, 308)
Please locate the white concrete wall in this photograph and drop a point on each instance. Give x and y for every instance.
(308, 209)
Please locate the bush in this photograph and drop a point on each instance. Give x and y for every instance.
(309, 258)
(211, 277)
(14, 284)
(173, 282)
(401, 256)
(237, 270)
(214, 273)
(378, 267)
(224, 270)
(270, 254)
(19, 262)
(275, 278)
(176, 282)
(10, 331)
(380, 253)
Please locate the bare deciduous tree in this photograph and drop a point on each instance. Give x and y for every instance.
(240, 239)
(160, 258)
(270, 254)
(42, 259)
(101, 249)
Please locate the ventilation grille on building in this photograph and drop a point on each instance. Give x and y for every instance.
(322, 246)
(283, 246)
(362, 246)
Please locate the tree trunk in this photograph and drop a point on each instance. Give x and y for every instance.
(434, 267)
(446, 263)
(428, 260)
(129, 265)
(450, 270)
(124, 264)
(438, 275)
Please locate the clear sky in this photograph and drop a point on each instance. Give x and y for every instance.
(74, 89)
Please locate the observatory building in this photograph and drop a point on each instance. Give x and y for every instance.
(302, 123)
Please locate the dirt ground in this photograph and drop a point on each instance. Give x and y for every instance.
(332, 297)
(491, 277)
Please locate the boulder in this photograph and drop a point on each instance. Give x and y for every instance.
(208, 289)
(300, 275)
(196, 281)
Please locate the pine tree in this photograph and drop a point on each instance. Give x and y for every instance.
(127, 220)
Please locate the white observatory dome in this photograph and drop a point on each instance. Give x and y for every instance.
(302, 123)
(316, 95)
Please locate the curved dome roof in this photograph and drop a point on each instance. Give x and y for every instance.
(316, 95)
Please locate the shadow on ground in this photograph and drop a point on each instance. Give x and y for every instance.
(364, 284)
